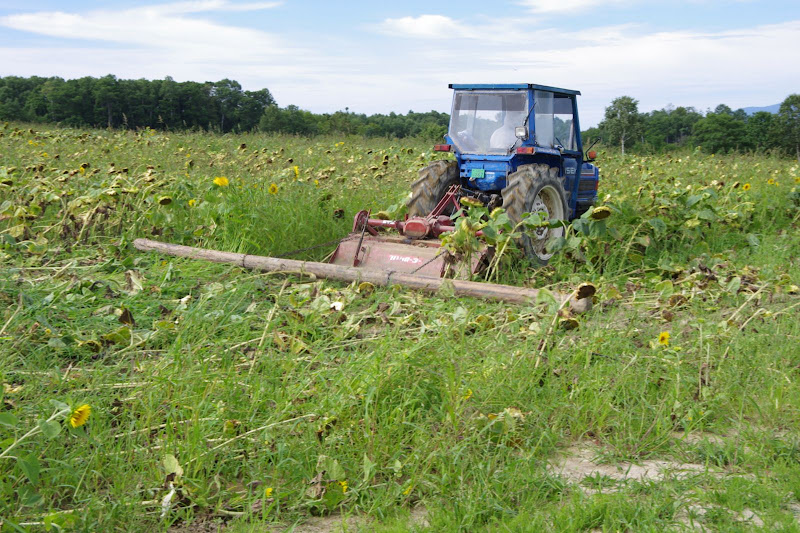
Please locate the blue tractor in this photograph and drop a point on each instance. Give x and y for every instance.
(517, 146)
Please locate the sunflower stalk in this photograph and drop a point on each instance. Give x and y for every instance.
(33, 431)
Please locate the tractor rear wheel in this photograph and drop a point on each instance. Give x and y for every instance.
(536, 189)
(431, 186)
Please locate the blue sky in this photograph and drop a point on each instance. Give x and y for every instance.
(375, 57)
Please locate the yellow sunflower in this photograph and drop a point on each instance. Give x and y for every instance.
(746, 187)
(663, 338)
(80, 415)
(221, 181)
(273, 189)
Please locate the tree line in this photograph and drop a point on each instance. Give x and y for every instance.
(221, 106)
(721, 130)
(111, 102)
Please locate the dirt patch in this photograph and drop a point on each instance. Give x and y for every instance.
(795, 509)
(579, 462)
(337, 524)
(698, 513)
(699, 436)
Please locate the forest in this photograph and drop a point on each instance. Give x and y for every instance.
(719, 130)
(221, 106)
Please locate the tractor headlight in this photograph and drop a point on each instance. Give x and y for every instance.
(521, 132)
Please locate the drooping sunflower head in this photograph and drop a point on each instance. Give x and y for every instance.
(80, 415)
(469, 201)
(600, 213)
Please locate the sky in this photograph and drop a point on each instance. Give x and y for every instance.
(376, 57)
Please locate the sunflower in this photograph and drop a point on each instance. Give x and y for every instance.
(600, 213)
(663, 338)
(273, 189)
(80, 415)
(469, 201)
(771, 181)
(221, 181)
(746, 187)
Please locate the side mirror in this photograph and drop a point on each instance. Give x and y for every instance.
(591, 155)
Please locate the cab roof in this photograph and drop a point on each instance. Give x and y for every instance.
(510, 86)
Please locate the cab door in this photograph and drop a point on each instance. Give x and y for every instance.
(566, 137)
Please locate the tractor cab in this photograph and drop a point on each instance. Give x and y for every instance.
(495, 129)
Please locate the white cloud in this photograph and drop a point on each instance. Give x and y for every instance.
(151, 26)
(425, 26)
(211, 5)
(565, 6)
(699, 69)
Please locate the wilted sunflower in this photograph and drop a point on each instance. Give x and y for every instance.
(469, 201)
(746, 187)
(273, 189)
(663, 338)
(221, 181)
(600, 213)
(80, 415)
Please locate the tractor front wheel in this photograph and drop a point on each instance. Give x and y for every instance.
(431, 186)
(536, 189)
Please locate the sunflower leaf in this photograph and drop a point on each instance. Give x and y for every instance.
(49, 428)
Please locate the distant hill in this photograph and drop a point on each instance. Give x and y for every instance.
(769, 109)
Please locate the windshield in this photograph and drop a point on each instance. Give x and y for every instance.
(484, 122)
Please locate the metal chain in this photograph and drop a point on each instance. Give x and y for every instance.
(429, 261)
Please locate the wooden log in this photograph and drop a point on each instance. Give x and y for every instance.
(488, 291)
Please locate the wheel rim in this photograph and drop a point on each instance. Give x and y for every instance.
(548, 203)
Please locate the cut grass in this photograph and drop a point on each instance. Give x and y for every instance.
(256, 385)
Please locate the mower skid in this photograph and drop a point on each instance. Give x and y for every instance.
(396, 254)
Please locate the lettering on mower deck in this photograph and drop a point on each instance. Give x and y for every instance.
(405, 259)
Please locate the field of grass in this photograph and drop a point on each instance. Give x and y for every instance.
(221, 396)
